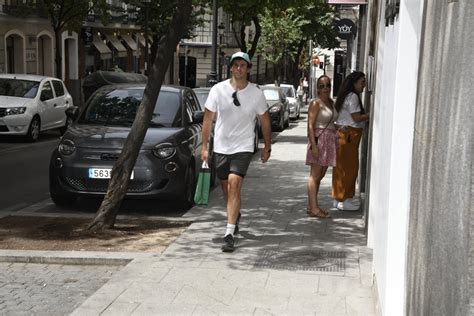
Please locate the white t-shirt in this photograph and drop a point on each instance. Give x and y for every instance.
(235, 125)
(351, 105)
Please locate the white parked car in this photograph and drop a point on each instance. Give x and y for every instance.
(30, 104)
(290, 94)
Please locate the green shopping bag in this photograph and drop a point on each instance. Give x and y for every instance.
(201, 197)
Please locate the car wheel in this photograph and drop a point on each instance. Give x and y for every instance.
(34, 129)
(190, 188)
(58, 195)
(68, 123)
(281, 125)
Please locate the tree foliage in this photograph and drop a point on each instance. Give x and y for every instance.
(318, 27)
(158, 14)
(70, 15)
(283, 31)
(314, 19)
(245, 12)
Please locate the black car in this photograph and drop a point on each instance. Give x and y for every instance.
(278, 107)
(169, 159)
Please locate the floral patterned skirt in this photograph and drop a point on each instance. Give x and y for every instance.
(327, 142)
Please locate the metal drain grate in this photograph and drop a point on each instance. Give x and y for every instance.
(304, 260)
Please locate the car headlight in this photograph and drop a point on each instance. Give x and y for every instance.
(67, 147)
(15, 111)
(164, 151)
(292, 105)
(275, 109)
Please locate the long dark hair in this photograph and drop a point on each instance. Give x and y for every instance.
(348, 87)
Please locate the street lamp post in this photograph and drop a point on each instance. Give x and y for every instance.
(147, 59)
(221, 28)
(213, 76)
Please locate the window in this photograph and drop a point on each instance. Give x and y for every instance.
(58, 87)
(47, 92)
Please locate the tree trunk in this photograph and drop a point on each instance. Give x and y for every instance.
(107, 213)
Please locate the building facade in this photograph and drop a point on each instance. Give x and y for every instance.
(417, 56)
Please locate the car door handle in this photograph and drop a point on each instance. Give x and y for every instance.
(55, 105)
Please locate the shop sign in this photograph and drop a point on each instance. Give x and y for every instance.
(87, 35)
(345, 28)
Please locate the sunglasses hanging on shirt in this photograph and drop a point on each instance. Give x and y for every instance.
(236, 101)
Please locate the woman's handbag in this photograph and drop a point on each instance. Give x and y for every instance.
(201, 196)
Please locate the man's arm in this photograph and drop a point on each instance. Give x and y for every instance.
(206, 133)
(266, 126)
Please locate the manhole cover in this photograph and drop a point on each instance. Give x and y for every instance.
(307, 260)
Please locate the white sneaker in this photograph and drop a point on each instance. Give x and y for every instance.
(355, 201)
(347, 206)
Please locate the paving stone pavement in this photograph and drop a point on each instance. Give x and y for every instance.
(49, 289)
(286, 263)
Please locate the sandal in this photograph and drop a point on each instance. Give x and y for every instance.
(308, 211)
(319, 214)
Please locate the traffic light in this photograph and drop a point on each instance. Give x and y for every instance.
(321, 65)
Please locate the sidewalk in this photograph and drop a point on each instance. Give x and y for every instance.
(286, 263)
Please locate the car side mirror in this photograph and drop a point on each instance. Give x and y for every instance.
(72, 112)
(198, 117)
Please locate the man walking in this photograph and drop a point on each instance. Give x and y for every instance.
(237, 104)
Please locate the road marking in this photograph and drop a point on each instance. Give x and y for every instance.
(8, 150)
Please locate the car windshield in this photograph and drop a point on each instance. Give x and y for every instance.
(18, 88)
(119, 107)
(288, 92)
(271, 95)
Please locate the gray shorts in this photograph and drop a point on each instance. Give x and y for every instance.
(237, 163)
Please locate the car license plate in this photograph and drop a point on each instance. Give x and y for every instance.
(102, 173)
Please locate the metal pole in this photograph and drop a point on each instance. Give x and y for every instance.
(185, 66)
(213, 75)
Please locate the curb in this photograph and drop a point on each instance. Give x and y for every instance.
(71, 257)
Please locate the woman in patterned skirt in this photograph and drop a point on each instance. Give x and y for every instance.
(322, 139)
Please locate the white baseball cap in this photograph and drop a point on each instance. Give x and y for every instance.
(241, 55)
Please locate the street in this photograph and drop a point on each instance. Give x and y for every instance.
(24, 167)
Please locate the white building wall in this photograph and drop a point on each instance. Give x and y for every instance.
(393, 129)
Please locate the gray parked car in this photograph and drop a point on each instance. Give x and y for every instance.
(278, 107)
(290, 93)
(169, 159)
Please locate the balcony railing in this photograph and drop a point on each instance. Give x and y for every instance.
(25, 10)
